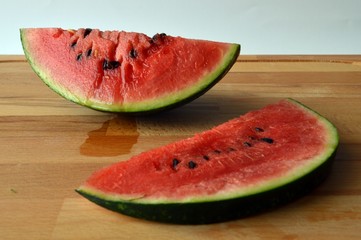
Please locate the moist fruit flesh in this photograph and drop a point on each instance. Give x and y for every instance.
(258, 161)
(122, 71)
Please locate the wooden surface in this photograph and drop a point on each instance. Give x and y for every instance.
(49, 146)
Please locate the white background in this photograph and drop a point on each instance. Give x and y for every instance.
(260, 26)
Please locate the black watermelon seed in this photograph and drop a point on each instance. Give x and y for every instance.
(114, 64)
(105, 64)
(158, 36)
(73, 44)
(175, 162)
(267, 140)
(109, 65)
(247, 144)
(217, 151)
(87, 31)
(231, 149)
(79, 57)
(133, 53)
(205, 157)
(155, 38)
(88, 52)
(192, 164)
(258, 129)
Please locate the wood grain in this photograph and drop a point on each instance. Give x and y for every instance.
(49, 146)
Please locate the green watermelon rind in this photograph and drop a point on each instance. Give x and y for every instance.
(244, 202)
(45, 75)
(179, 98)
(168, 101)
(208, 212)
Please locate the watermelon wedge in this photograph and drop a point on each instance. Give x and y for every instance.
(120, 71)
(259, 161)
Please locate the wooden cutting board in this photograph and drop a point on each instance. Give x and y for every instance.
(49, 146)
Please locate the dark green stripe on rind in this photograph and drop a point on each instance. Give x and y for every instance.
(219, 211)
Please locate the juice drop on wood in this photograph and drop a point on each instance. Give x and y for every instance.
(115, 137)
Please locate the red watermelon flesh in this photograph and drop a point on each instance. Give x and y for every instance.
(125, 71)
(261, 150)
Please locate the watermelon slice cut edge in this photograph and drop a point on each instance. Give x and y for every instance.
(267, 172)
(146, 75)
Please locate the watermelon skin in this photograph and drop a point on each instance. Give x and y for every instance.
(149, 75)
(221, 205)
(209, 212)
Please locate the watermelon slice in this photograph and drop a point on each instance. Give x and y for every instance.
(258, 161)
(120, 71)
